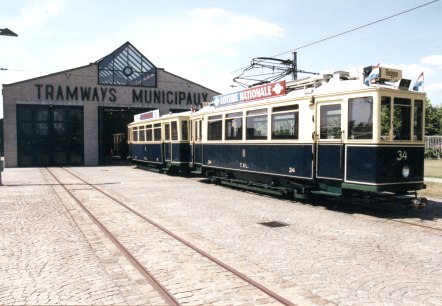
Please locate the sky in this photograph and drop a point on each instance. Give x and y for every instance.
(209, 42)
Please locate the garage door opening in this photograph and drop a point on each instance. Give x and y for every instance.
(49, 135)
(113, 123)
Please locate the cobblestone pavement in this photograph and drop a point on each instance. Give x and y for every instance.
(49, 258)
(189, 276)
(50, 253)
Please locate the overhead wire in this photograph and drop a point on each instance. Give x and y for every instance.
(348, 31)
(306, 45)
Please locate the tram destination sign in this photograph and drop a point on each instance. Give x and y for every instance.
(251, 94)
(147, 115)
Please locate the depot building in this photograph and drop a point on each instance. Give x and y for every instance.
(70, 118)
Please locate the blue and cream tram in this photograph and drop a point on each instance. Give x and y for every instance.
(161, 143)
(323, 135)
(329, 135)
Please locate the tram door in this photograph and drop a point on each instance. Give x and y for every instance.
(197, 154)
(167, 143)
(171, 135)
(329, 148)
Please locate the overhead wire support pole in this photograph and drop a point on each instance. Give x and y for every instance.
(295, 66)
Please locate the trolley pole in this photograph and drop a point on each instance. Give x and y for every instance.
(295, 66)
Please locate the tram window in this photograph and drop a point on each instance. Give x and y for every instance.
(330, 121)
(195, 130)
(157, 132)
(285, 108)
(135, 133)
(360, 118)
(418, 119)
(201, 129)
(256, 124)
(149, 132)
(192, 132)
(167, 132)
(285, 122)
(184, 130)
(142, 134)
(174, 130)
(233, 126)
(402, 119)
(214, 128)
(385, 118)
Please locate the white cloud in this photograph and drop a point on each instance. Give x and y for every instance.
(433, 86)
(209, 13)
(37, 13)
(209, 31)
(433, 60)
(411, 71)
(202, 41)
(224, 26)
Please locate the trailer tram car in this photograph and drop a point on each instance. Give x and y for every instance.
(328, 135)
(161, 143)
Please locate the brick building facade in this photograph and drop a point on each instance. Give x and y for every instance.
(69, 117)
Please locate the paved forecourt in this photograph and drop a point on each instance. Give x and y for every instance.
(53, 254)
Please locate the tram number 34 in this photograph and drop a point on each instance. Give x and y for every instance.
(401, 155)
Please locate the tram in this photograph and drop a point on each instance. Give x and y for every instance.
(326, 135)
(161, 143)
(119, 145)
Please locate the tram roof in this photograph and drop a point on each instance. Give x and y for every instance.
(161, 118)
(319, 86)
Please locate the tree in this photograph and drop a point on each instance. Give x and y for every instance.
(433, 119)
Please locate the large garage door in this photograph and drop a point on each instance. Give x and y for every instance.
(49, 135)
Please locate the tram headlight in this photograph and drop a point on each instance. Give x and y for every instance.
(405, 171)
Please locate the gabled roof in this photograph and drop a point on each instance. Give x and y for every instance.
(126, 66)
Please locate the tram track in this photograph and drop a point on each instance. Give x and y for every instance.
(373, 210)
(376, 210)
(439, 230)
(394, 214)
(166, 294)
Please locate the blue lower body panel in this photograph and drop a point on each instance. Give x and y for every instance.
(153, 152)
(384, 164)
(197, 153)
(148, 152)
(291, 160)
(181, 153)
(329, 161)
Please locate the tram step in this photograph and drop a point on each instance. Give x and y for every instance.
(325, 193)
(252, 188)
(149, 168)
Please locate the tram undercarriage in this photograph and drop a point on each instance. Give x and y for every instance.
(310, 190)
